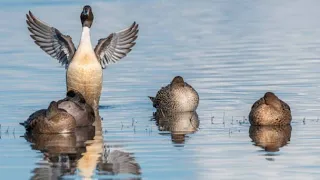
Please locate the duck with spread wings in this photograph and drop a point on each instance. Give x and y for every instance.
(84, 65)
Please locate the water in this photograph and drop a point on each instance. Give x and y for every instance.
(231, 52)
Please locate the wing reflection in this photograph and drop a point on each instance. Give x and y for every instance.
(118, 162)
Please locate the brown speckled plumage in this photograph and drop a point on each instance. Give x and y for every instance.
(270, 138)
(50, 121)
(178, 96)
(270, 110)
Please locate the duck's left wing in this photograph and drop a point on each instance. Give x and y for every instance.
(116, 45)
(51, 40)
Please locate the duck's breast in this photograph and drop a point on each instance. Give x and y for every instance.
(84, 74)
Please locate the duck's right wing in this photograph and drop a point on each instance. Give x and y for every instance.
(51, 40)
(116, 45)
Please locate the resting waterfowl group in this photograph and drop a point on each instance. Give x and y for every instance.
(84, 65)
(178, 96)
(84, 76)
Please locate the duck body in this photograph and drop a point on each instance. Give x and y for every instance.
(76, 105)
(50, 121)
(178, 96)
(84, 74)
(270, 110)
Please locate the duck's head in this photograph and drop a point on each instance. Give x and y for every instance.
(178, 80)
(271, 99)
(86, 16)
(52, 109)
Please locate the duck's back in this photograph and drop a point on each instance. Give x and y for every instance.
(39, 123)
(177, 99)
(83, 114)
(62, 122)
(263, 114)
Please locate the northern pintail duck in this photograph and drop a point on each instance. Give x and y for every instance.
(50, 121)
(84, 65)
(76, 105)
(270, 110)
(178, 96)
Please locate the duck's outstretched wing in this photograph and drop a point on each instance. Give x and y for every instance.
(116, 45)
(51, 40)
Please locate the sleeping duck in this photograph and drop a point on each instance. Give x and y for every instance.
(178, 96)
(50, 121)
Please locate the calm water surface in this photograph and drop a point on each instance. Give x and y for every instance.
(231, 52)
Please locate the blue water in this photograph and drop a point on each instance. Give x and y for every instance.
(231, 52)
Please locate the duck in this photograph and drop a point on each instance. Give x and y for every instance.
(50, 121)
(178, 96)
(76, 105)
(270, 110)
(84, 65)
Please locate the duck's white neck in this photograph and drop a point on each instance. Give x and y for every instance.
(85, 40)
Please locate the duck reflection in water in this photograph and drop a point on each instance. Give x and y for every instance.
(60, 151)
(118, 162)
(270, 138)
(97, 159)
(178, 123)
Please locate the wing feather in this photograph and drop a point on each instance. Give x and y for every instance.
(51, 40)
(116, 45)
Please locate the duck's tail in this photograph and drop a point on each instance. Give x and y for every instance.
(23, 124)
(151, 98)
